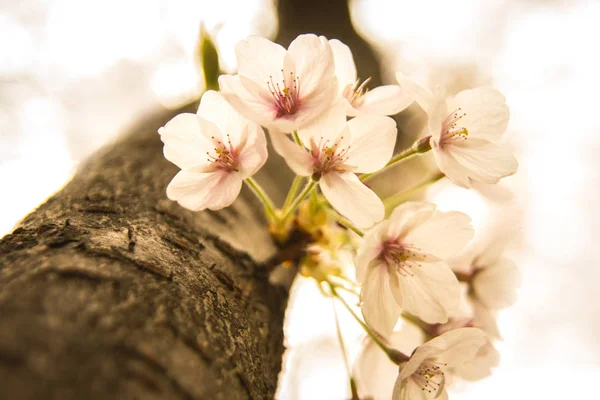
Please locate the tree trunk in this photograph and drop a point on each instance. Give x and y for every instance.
(111, 291)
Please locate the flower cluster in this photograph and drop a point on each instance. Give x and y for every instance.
(335, 133)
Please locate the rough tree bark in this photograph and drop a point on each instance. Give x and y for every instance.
(109, 290)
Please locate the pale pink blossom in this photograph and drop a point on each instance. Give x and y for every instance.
(334, 151)
(424, 376)
(356, 96)
(282, 89)
(401, 265)
(216, 150)
(466, 133)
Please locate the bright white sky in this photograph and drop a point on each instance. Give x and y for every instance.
(67, 81)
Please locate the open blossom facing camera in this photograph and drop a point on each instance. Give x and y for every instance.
(423, 376)
(279, 89)
(358, 99)
(466, 133)
(400, 265)
(216, 150)
(335, 151)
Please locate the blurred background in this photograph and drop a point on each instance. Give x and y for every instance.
(75, 74)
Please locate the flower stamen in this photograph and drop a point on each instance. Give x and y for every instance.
(354, 92)
(225, 157)
(450, 129)
(286, 97)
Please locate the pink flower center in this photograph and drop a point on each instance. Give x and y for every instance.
(354, 92)
(328, 157)
(225, 155)
(399, 255)
(429, 377)
(450, 129)
(286, 94)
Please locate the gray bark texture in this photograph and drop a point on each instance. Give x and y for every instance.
(111, 291)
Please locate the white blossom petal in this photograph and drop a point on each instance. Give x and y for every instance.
(482, 160)
(214, 108)
(254, 153)
(486, 358)
(379, 308)
(312, 58)
(430, 292)
(370, 249)
(407, 389)
(247, 102)
(372, 142)
(198, 190)
(407, 216)
(422, 96)
(451, 167)
(352, 198)
(297, 158)
(458, 345)
(487, 114)
(328, 125)
(443, 235)
(345, 69)
(384, 100)
(259, 59)
(496, 285)
(185, 145)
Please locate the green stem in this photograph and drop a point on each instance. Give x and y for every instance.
(394, 355)
(420, 146)
(297, 138)
(343, 221)
(305, 192)
(262, 196)
(293, 190)
(395, 200)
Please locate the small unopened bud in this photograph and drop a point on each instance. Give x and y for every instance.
(209, 59)
(423, 145)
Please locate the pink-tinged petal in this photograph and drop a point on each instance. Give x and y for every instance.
(407, 389)
(422, 96)
(250, 104)
(420, 354)
(312, 59)
(352, 198)
(384, 100)
(214, 108)
(345, 69)
(297, 158)
(370, 249)
(407, 216)
(483, 160)
(328, 125)
(430, 292)
(259, 59)
(443, 235)
(379, 308)
(437, 114)
(487, 114)
(198, 191)
(496, 286)
(451, 167)
(372, 142)
(458, 345)
(185, 145)
(254, 153)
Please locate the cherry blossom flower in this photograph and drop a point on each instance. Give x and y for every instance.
(383, 100)
(400, 265)
(423, 376)
(282, 89)
(466, 133)
(216, 150)
(336, 150)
